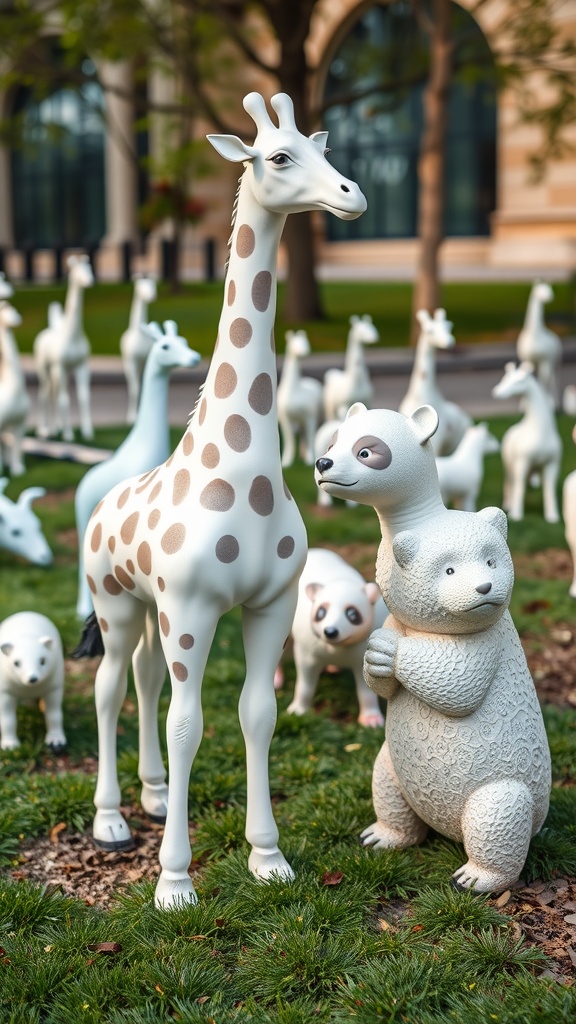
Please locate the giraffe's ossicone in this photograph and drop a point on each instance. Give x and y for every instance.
(166, 554)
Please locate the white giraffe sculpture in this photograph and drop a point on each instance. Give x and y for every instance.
(146, 446)
(435, 333)
(63, 348)
(569, 513)
(137, 340)
(539, 345)
(212, 528)
(14, 401)
(299, 401)
(352, 384)
(460, 475)
(6, 289)
(533, 445)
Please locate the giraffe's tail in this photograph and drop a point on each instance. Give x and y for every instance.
(90, 645)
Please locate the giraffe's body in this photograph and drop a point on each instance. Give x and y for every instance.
(213, 527)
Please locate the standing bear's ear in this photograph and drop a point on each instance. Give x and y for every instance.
(355, 409)
(496, 517)
(405, 547)
(424, 422)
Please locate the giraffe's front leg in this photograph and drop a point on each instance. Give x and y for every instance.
(149, 674)
(265, 631)
(187, 630)
(82, 378)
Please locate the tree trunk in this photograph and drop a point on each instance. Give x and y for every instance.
(431, 164)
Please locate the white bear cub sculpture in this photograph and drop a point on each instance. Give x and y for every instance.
(337, 610)
(466, 750)
(31, 669)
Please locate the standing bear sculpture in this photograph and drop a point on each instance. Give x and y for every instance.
(20, 528)
(532, 446)
(435, 334)
(466, 750)
(460, 475)
(170, 552)
(352, 384)
(336, 612)
(14, 401)
(31, 668)
(537, 344)
(299, 402)
(60, 349)
(137, 340)
(146, 446)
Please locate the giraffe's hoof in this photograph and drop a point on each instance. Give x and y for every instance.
(174, 892)
(154, 800)
(110, 831)
(268, 866)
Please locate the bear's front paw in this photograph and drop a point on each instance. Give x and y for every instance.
(379, 662)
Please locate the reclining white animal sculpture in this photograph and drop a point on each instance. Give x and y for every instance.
(14, 401)
(31, 668)
(146, 446)
(539, 345)
(436, 333)
(533, 445)
(336, 612)
(63, 348)
(299, 401)
(460, 475)
(20, 529)
(352, 384)
(137, 340)
(466, 750)
(569, 513)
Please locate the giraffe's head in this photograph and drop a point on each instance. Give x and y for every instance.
(6, 289)
(145, 287)
(9, 316)
(542, 291)
(170, 349)
(437, 329)
(516, 381)
(288, 172)
(80, 270)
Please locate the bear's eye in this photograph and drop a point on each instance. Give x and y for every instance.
(42, 661)
(449, 571)
(373, 452)
(364, 453)
(320, 613)
(491, 562)
(17, 664)
(353, 616)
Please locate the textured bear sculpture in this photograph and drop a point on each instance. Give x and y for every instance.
(466, 750)
(31, 668)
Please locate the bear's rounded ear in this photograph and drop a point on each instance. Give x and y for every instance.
(372, 592)
(312, 589)
(496, 517)
(6, 648)
(405, 547)
(424, 422)
(355, 409)
(46, 641)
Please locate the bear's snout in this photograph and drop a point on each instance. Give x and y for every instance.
(323, 464)
(32, 679)
(484, 588)
(331, 633)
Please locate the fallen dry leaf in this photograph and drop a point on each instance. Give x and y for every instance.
(332, 877)
(105, 947)
(503, 899)
(56, 830)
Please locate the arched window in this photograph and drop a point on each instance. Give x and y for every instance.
(374, 90)
(58, 169)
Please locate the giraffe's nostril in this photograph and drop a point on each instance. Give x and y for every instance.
(344, 188)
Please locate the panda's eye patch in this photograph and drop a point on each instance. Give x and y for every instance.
(373, 452)
(491, 562)
(353, 615)
(449, 571)
(320, 613)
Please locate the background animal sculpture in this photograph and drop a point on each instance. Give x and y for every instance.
(14, 401)
(137, 340)
(299, 401)
(352, 384)
(539, 345)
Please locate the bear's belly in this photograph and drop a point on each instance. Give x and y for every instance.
(441, 760)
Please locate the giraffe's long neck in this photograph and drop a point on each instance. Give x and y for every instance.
(534, 313)
(291, 371)
(138, 311)
(425, 360)
(536, 405)
(11, 368)
(152, 418)
(73, 307)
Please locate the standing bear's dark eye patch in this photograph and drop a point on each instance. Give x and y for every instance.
(373, 452)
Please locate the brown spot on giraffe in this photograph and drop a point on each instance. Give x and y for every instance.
(111, 585)
(97, 509)
(96, 538)
(245, 241)
(144, 557)
(123, 498)
(261, 496)
(217, 496)
(181, 486)
(128, 528)
(103, 625)
(225, 381)
(130, 565)
(186, 641)
(169, 460)
(155, 492)
(210, 456)
(227, 549)
(173, 539)
(231, 293)
(261, 288)
(180, 671)
(123, 577)
(188, 443)
(154, 518)
(161, 584)
(285, 547)
(111, 545)
(91, 583)
(147, 481)
(240, 332)
(237, 433)
(260, 396)
(202, 411)
(164, 623)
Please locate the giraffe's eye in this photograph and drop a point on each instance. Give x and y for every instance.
(165, 347)
(280, 159)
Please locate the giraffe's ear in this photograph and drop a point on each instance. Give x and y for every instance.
(232, 148)
(319, 139)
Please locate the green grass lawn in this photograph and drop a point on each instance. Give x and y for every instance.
(321, 949)
(480, 312)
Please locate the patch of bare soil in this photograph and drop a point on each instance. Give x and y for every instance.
(548, 564)
(553, 665)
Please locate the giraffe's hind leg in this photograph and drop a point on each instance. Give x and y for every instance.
(265, 631)
(149, 674)
(122, 622)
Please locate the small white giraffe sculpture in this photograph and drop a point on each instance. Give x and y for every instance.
(63, 348)
(539, 345)
(167, 554)
(137, 340)
(531, 446)
(146, 446)
(6, 289)
(299, 401)
(569, 513)
(352, 384)
(460, 474)
(14, 401)
(435, 333)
